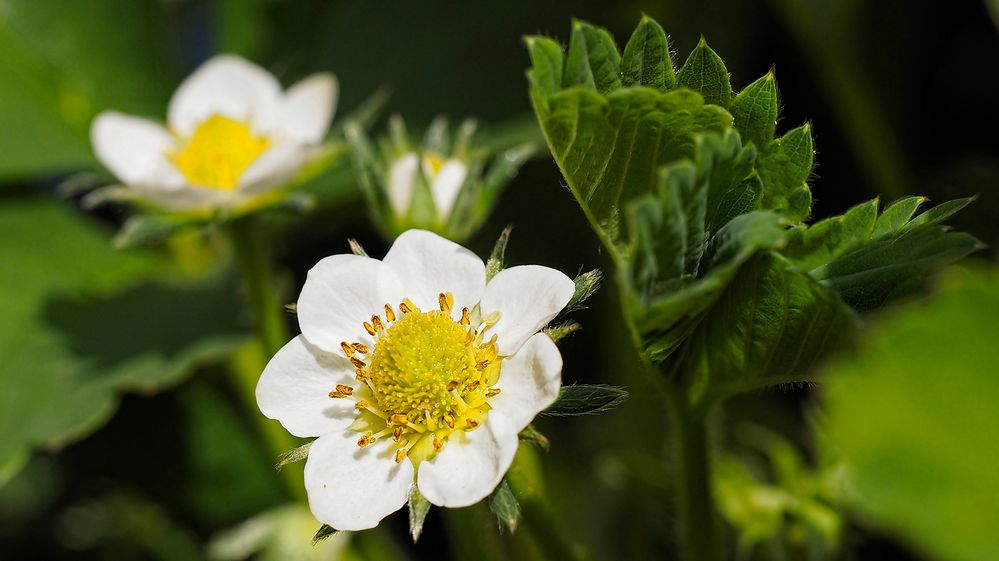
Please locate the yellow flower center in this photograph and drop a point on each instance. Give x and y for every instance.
(427, 377)
(432, 164)
(218, 152)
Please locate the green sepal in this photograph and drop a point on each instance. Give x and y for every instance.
(585, 399)
(593, 60)
(505, 506)
(646, 60)
(784, 167)
(754, 111)
(705, 73)
(324, 532)
(419, 507)
(292, 456)
(546, 55)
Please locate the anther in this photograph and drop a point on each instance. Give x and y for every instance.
(344, 389)
(453, 384)
(376, 322)
(358, 363)
(363, 404)
(389, 313)
(410, 306)
(361, 375)
(336, 395)
(400, 455)
(348, 349)
(366, 440)
(471, 424)
(471, 336)
(482, 364)
(465, 320)
(449, 420)
(438, 443)
(446, 302)
(369, 328)
(361, 348)
(474, 384)
(491, 342)
(492, 392)
(398, 419)
(397, 433)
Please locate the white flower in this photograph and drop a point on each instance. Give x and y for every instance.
(413, 370)
(445, 177)
(232, 135)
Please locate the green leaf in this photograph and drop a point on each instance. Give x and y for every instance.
(419, 506)
(83, 323)
(505, 506)
(768, 327)
(754, 111)
(705, 73)
(61, 66)
(586, 399)
(146, 229)
(592, 61)
(870, 260)
(532, 436)
(545, 74)
(610, 148)
(913, 413)
(646, 59)
(784, 167)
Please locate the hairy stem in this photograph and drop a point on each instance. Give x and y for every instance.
(537, 517)
(692, 458)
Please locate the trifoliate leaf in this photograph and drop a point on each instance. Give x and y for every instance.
(593, 60)
(586, 399)
(545, 74)
(419, 507)
(913, 413)
(705, 73)
(505, 506)
(754, 111)
(646, 59)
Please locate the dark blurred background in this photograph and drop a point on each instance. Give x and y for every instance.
(901, 97)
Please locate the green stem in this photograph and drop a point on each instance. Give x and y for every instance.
(696, 510)
(537, 517)
(272, 333)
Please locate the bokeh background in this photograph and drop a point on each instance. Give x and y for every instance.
(902, 100)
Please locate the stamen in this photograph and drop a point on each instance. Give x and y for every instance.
(371, 330)
(465, 320)
(344, 389)
(348, 349)
(361, 375)
(453, 384)
(361, 348)
(397, 433)
(389, 313)
(400, 455)
(410, 306)
(492, 392)
(337, 394)
(363, 404)
(471, 424)
(492, 318)
(474, 384)
(398, 419)
(446, 302)
(358, 363)
(366, 440)
(472, 334)
(376, 322)
(449, 420)
(482, 364)
(438, 443)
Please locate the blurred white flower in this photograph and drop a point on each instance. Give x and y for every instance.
(232, 137)
(414, 369)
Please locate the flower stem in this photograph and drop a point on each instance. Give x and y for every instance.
(538, 519)
(696, 511)
(272, 333)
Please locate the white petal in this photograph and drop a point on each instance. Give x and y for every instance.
(447, 185)
(471, 464)
(429, 264)
(527, 297)
(295, 386)
(225, 85)
(186, 197)
(529, 381)
(341, 293)
(402, 181)
(275, 168)
(135, 150)
(306, 110)
(352, 488)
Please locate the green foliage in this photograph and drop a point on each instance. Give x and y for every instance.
(61, 66)
(700, 206)
(83, 323)
(913, 413)
(419, 507)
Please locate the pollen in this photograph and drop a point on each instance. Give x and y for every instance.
(218, 152)
(426, 376)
